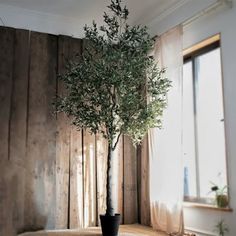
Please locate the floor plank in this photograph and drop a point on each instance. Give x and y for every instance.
(125, 230)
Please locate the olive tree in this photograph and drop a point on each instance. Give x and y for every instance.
(117, 87)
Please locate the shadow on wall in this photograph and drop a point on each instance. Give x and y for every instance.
(15, 216)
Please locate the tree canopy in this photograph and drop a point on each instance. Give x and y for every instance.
(117, 87)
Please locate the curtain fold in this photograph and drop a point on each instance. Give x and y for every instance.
(166, 172)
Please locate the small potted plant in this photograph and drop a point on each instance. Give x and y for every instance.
(221, 228)
(221, 196)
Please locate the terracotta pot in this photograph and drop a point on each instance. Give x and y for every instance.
(222, 200)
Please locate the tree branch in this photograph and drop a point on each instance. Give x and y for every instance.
(117, 140)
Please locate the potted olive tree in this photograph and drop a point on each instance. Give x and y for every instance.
(117, 88)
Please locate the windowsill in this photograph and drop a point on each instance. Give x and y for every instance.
(206, 206)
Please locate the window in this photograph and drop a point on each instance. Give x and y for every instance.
(203, 124)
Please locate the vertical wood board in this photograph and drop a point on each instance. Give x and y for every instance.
(144, 206)
(18, 123)
(101, 178)
(41, 143)
(118, 163)
(76, 180)
(130, 183)
(62, 144)
(76, 155)
(6, 68)
(89, 180)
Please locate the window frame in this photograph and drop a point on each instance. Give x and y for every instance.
(190, 57)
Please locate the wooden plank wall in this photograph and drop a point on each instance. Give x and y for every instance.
(143, 184)
(52, 175)
(62, 146)
(8, 180)
(41, 133)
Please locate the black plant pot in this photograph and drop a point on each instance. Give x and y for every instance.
(110, 224)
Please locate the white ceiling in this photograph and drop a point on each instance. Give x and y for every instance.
(89, 10)
(68, 17)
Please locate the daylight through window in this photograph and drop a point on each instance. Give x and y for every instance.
(203, 124)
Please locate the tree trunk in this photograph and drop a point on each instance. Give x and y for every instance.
(109, 200)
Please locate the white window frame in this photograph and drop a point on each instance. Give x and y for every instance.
(190, 56)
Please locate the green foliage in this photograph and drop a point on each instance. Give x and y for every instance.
(221, 228)
(219, 190)
(108, 90)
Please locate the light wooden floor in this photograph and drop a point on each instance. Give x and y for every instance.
(125, 230)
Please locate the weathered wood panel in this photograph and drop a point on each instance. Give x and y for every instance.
(12, 168)
(76, 180)
(76, 204)
(41, 143)
(6, 68)
(130, 183)
(7, 169)
(62, 144)
(18, 121)
(101, 160)
(56, 181)
(119, 177)
(90, 214)
(8, 183)
(144, 203)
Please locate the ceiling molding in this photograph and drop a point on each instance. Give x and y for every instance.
(168, 11)
(211, 8)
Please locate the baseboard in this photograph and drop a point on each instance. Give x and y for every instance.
(199, 232)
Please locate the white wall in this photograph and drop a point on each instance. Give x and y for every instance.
(222, 20)
(42, 22)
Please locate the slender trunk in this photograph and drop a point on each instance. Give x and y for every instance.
(109, 201)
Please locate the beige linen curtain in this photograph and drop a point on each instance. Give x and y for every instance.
(166, 172)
